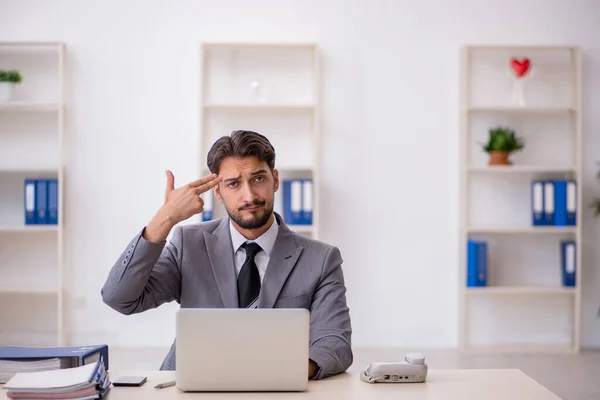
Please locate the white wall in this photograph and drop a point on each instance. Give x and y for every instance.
(390, 94)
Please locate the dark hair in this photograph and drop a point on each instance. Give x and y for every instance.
(240, 144)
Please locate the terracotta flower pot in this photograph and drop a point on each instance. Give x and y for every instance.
(499, 158)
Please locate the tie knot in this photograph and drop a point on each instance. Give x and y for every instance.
(251, 249)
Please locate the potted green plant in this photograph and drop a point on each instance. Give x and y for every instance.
(8, 80)
(502, 141)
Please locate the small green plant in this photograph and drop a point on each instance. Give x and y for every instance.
(503, 139)
(11, 76)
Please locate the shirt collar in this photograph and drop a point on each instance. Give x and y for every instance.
(266, 241)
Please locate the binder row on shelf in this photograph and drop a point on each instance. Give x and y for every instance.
(207, 209)
(477, 263)
(41, 201)
(297, 202)
(554, 202)
(568, 259)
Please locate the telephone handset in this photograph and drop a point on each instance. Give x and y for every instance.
(411, 370)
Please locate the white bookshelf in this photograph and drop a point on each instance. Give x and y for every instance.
(285, 108)
(32, 134)
(524, 307)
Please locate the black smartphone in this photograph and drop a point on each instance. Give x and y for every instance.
(129, 381)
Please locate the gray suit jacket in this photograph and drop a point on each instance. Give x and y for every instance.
(196, 269)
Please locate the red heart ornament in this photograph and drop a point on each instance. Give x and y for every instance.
(520, 67)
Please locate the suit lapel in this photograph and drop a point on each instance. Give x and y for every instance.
(282, 261)
(220, 254)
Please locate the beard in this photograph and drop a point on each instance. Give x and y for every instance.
(257, 218)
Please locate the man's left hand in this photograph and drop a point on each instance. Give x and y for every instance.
(313, 368)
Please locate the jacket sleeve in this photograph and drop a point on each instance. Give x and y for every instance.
(145, 276)
(330, 325)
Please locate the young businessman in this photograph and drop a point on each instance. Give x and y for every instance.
(249, 259)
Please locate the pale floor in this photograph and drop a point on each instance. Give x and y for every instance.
(571, 377)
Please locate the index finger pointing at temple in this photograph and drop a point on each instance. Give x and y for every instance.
(203, 180)
(208, 185)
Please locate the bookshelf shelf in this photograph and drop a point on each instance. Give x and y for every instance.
(28, 106)
(32, 136)
(273, 89)
(523, 303)
(29, 290)
(526, 230)
(259, 107)
(41, 171)
(29, 229)
(521, 110)
(523, 169)
(302, 228)
(516, 290)
(258, 45)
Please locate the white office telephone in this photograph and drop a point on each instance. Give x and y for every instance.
(411, 370)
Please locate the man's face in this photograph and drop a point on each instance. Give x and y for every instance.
(247, 190)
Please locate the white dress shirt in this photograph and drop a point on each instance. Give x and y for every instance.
(266, 241)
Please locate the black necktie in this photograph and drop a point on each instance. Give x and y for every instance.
(249, 278)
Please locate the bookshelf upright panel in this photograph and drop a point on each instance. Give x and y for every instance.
(32, 148)
(273, 89)
(517, 247)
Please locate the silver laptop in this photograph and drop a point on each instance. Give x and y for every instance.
(242, 349)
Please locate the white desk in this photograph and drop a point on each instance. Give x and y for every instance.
(463, 384)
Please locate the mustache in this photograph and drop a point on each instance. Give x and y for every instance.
(253, 204)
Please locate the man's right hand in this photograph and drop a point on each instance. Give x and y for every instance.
(179, 205)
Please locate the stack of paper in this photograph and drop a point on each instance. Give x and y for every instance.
(89, 381)
(10, 367)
